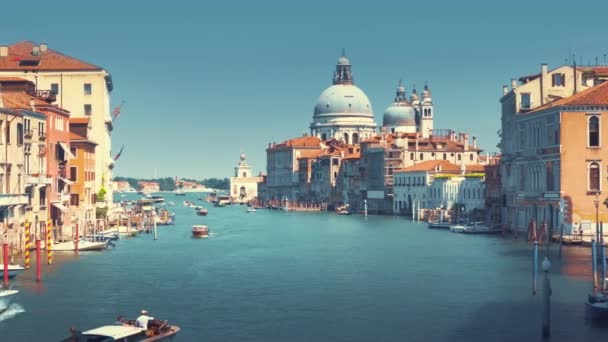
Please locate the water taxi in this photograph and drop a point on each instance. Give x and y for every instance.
(159, 330)
(202, 212)
(13, 270)
(200, 231)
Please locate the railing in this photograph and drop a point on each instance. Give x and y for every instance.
(42, 136)
(28, 133)
(13, 199)
(48, 96)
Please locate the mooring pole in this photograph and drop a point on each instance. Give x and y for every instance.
(546, 330)
(594, 263)
(535, 268)
(5, 259)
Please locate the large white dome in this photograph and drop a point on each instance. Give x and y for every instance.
(343, 99)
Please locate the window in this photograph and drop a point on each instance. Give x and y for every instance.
(88, 109)
(73, 173)
(445, 156)
(421, 156)
(7, 132)
(87, 89)
(525, 100)
(558, 80)
(19, 134)
(55, 88)
(594, 177)
(29, 62)
(73, 150)
(549, 176)
(42, 197)
(74, 200)
(41, 129)
(594, 131)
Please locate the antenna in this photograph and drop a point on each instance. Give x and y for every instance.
(604, 59)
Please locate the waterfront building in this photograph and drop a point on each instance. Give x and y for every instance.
(81, 88)
(412, 116)
(148, 187)
(121, 186)
(343, 111)
(82, 171)
(243, 186)
(438, 184)
(552, 149)
(282, 167)
(492, 194)
(189, 185)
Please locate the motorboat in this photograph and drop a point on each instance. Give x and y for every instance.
(439, 225)
(6, 296)
(13, 270)
(179, 192)
(219, 205)
(597, 310)
(200, 231)
(457, 228)
(188, 204)
(251, 210)
(83, 245)
(157, 331)
(202, 212)
(198, 207)
(480, 228)
(344, 210)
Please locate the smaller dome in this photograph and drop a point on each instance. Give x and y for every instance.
(242, 156)
(414, 96)
(399, 114)
(343, 61)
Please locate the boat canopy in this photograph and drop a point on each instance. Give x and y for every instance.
(116, 332)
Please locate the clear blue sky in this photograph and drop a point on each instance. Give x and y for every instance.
(203, 82)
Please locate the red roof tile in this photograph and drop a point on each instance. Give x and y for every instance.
(50, 59)
(79, 120)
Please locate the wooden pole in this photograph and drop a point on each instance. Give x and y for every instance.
(535, 268)
(546, 330)
(76, 238)
(594, 263)
(155, 231)
(27, 244)
(49, 242)
(5, 259)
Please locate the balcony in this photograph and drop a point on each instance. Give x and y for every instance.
(42, 136)
(13, 199)
(37, 180)
(28, 133)
(47, 96)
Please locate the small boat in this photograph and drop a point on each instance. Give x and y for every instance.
(480, 228)
(188, 204)
(344, 210)
(6, 296)
(457, 228)
(13, 270)
(179, 192)
(251, 210)
(83, 245)
(158, 330)
(597, 311)
(202, 212)
(200, 231)
(219, 205)
(198, 207)
(439, 225)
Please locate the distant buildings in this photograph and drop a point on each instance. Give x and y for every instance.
(121, 186)
(148, 187)
(243, 186)
(346, 160)
(553, 148)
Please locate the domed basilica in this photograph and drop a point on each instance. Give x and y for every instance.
(344, 112)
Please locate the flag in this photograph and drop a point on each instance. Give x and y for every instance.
(119, 153)
(116, 112)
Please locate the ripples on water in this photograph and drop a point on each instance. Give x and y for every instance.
(11, 311)
(276, 276)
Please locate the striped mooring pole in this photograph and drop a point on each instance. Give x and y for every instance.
(27, 244)
(49, 241)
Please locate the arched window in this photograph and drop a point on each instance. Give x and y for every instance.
(430, 111)
(346, 138)
(594, 177)
(594, 131)
(355, 138)
(324, 136)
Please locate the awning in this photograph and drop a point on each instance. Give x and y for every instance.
(66, 181)
(67, 151)
(59, 206)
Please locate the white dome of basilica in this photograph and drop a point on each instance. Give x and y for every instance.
(343, 99)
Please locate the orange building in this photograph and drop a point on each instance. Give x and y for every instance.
(562, 152)
(82, 170)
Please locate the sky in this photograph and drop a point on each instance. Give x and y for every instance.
(206, 81)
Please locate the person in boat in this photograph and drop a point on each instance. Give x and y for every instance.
(121, 321)
(76, 335)
(143, 320)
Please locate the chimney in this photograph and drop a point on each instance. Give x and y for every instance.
(474, 142)
(33, 105)
(36, 50)
(544, 71)
(513, 83)
(505, 89)
(465, 141)
(43, 47)
(3, 50)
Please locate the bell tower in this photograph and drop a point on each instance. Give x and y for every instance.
(426, 113)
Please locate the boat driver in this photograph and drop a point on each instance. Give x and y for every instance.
(143, 320)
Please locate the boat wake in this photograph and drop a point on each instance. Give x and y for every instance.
(11, 311)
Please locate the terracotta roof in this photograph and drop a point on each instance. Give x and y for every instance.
(432, 165)
(310, 154)
(20, 57)
(305, 141)
(20, 100)
(12, 79)
(79, 120)
(475, 168)
(594, 96)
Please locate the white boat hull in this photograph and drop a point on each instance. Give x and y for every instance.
(6, 296)
(13, 270)
(83, 246)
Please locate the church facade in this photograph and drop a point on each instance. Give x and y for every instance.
(243, 186)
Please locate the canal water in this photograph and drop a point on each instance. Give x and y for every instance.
(277, 276)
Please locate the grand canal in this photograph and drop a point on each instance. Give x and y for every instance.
(277, 276)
